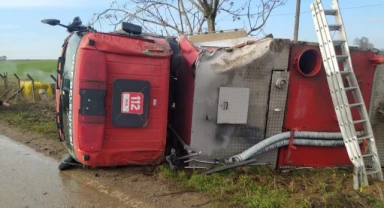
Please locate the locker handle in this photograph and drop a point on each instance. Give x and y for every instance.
(225, 107)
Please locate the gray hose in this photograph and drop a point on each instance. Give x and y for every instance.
(284, 136)
(303, 142)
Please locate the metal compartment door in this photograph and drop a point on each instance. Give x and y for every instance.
(233, 105)
(276, 112)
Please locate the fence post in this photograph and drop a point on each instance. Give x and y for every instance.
(5, 78)
(54, 78)
(33, 87)
(54, 86)
(2, 77)
(5, 83)
(18, 84)
(18, 80)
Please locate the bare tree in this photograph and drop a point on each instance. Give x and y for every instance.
(363, 43)
(188, 16)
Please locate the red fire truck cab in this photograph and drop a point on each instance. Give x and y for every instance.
(112, 96)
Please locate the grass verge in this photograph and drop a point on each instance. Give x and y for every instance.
(38, 117)
(264, 187)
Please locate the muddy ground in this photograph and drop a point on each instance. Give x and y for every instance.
(39, 142)
(142, 184)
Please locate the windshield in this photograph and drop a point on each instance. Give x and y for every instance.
(67, 85)
(69, 64)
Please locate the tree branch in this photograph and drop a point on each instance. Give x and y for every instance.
(215, 6)
(186, 17)
(180, 15)
(197, 5)
(156, 15)
(162, 23)
(264, 14)
(200, 28)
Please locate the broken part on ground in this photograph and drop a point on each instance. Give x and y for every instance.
(130, 98)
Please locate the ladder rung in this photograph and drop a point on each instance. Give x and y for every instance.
(355, 105)
(341, 57)
(344, 72)
(347, 89)
(372, 172)
(368, 155)
(338, 42)
(364, 137)
(334, 27)
(330, 11)
(359, 121)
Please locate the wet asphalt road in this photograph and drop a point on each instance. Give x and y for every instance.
(30, 179)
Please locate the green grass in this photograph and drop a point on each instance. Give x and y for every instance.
(263, 187)
(27, 116)
(40, 70)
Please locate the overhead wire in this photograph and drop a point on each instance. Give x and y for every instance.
(304, 12)
(293, 13)
(345, 8)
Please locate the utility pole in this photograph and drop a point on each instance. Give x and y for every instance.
(297, 20)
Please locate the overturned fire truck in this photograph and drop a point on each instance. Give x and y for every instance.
(130, 98)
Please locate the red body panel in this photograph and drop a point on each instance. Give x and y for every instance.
(186, 87)
(91, 74)
(309, 108)
(121, 57)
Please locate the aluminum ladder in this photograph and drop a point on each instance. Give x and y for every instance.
(339, 92)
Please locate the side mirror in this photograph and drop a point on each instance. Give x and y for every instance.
(52, 22)
(76, 25)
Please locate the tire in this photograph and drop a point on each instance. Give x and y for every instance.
(65, 162)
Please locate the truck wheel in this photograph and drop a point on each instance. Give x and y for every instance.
(65, 162)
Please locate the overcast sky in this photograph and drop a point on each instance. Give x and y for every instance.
(22, 36)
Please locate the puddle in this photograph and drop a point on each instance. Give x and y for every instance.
(30, 179)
